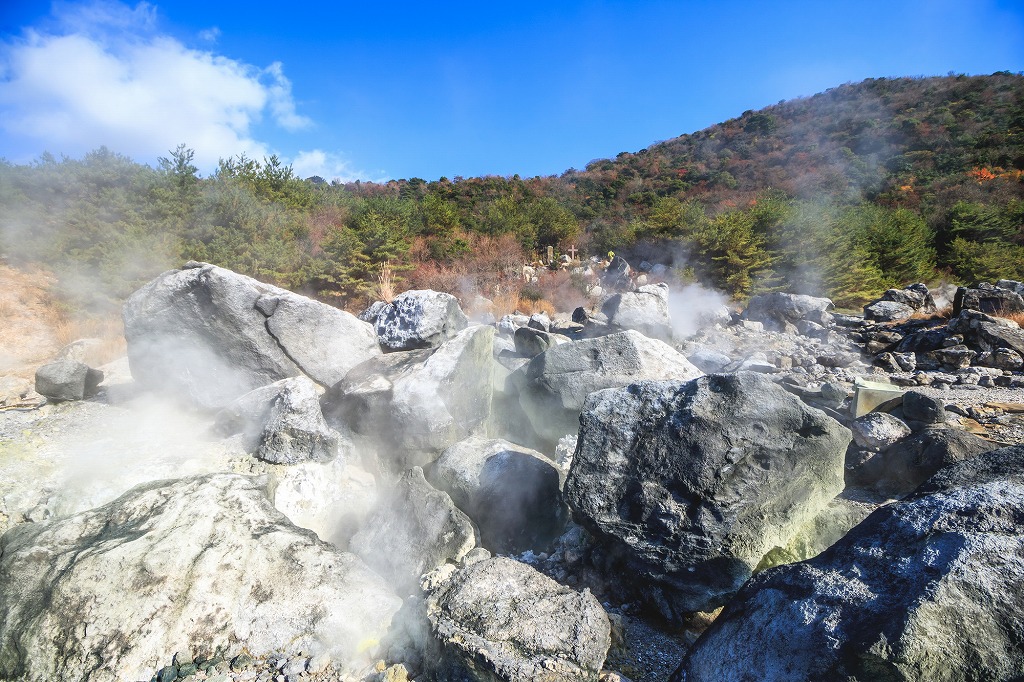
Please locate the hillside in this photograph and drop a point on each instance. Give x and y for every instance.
(845, 193)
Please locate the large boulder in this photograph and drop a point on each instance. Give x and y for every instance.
(899, 304)
(987, 333)
(555, 384)
(412, 530)
(877, 430)
(198, 563)
(417, 403)
(210, 335)
(282, 423)
(419, 319)
(501, 620)
(778, 311)
(67, 380)
(689, 484)
(903, 466)
(926, 588)
(644, 310)
(988, 299)
(512, 493)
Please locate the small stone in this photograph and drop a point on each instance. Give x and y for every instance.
(187, 670)
(295, 666)
(242, 662)
(319, 663)
(167, 674)
(183, 658)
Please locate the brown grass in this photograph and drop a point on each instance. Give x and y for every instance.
(1013, 317)
(938, 315)
(386, 282)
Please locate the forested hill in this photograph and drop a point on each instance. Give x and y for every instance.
(845, 193)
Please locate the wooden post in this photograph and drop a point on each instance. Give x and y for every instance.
(551, 254)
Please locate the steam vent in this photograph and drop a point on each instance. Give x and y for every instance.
(744, 406)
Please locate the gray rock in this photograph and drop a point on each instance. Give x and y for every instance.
(373, 311)
(924, 409)
(499, 619)
(67, 380)
(206, 561)
(644, 310)
(530, 342)
(540, 322)
(776, 310)
(888, 311)
(557, 382)
(282, 423)
(512, 493)
(417, 403)
(1012, 285)
(295, 430)
(420, 319)
(206, 334)
(987, 299)
(877, 430)
(413, 530)
(689, 484)
(508, 324)
(903, 466)
(926, 588)
(709, 360)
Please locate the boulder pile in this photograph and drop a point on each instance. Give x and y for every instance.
(419, 496)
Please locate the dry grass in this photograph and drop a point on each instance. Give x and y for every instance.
(529, 306)
(1013, 317)
(386, 282)
(939, 315)
(505, 303)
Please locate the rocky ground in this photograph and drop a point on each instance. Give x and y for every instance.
(402, 436)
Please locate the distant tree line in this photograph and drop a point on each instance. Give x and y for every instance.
(844, 194)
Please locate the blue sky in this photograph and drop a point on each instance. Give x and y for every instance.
(376, 90)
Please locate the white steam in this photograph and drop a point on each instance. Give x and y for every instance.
(695, 307)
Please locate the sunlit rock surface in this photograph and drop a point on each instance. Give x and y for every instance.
(209, 335)
(200, 563)
(503, 620)
(690, 484)
(926, 588)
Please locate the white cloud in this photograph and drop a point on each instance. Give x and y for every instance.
(330, 167)
(210, 35)
(101, 74)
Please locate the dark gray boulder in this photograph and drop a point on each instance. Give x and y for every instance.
(501, 620)
(372, 312)
(688, 485)
(921, 409)
(987, 333)
(530, 342)
(67, 380)
(644, 310)
(926, 588)
(900, 468)
(419, 319)
(512, 493)
(209, 335)
(412, 530)
(988, 299)
(414, 404)
(555, 384)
